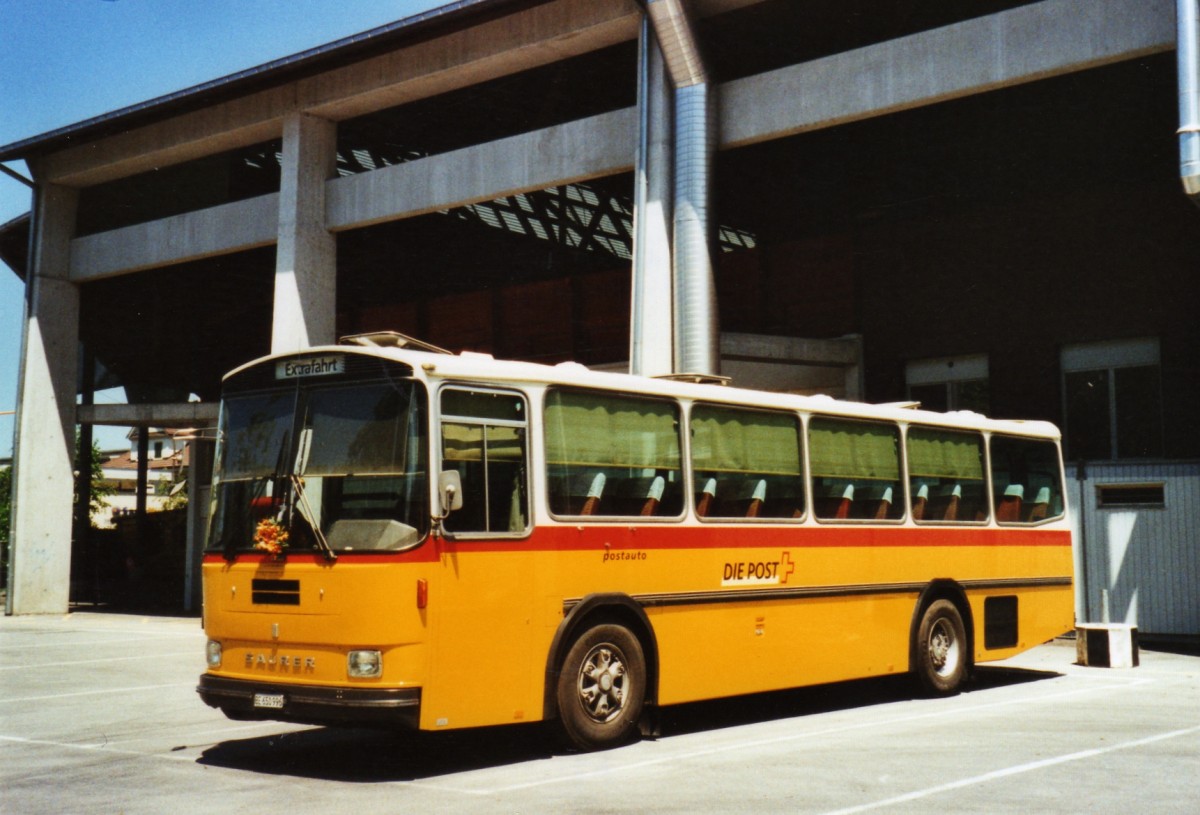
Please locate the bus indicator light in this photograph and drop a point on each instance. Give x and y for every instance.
(422, 593)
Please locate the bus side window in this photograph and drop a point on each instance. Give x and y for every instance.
(611, 455)
(483, 438)
(1026, 480)
(945, 475)
(746, 463)
(855, 469)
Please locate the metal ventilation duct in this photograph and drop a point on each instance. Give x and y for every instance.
(1188, 56)
(696, 331)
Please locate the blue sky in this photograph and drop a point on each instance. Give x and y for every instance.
(63, 61)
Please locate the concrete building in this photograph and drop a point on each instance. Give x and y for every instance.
(974, 205)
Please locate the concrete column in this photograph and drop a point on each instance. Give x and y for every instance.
(306, 258)
(44, 446)
(651, 321)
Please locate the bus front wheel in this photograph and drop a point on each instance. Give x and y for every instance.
(941, 649)
(602, 687)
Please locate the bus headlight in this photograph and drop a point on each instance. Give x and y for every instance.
(364, 664)
(213, 653)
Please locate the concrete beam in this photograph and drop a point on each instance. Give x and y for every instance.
(576, 151)
(305, 299)
(218, 230)
(44, 461)
(589, 148)
(249, 120)
(167, 414)
(794, 364)
(910, 72)
(1022, 45)
(792, 350)
(517, 42)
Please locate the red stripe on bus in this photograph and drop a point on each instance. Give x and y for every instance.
(626, 537)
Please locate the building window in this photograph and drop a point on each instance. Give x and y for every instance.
(950, 383)
(1112, 393)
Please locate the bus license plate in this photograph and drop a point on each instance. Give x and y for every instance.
(273, 701)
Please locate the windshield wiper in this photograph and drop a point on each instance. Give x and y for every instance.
(310, 517)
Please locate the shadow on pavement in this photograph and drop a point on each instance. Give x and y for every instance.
(1182, 645)
(371, 756)
(761, 707)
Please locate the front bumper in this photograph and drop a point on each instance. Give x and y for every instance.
(313, 704)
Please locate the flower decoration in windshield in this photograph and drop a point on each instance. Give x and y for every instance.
(270, 536)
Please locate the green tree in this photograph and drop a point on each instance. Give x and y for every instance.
(99, 490)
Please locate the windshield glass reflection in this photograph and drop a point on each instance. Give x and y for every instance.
(348, 460)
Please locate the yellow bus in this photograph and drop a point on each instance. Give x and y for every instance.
(406, 536)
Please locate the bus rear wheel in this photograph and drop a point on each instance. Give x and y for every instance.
(941, 649)
(602, 687)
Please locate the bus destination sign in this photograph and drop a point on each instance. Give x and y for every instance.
(310, 366)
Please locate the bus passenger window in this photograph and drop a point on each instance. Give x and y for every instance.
(855, 470)
(1026, 480)
(609, 455)
(945, 476)
(746, 463)
(483, 438)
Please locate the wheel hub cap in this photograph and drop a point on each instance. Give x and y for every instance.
(602, 683)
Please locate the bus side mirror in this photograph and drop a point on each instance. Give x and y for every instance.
(450, 489)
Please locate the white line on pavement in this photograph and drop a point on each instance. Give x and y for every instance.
(807, 735)
(94, 643)
(156, 655)
(98, 748)
(134, 689)
(1015, 770)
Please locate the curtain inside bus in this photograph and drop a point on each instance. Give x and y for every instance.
(612, 455)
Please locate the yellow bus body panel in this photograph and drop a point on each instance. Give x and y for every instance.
(341, 606)
(821, 604)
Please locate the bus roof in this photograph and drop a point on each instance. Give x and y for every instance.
(484, 369)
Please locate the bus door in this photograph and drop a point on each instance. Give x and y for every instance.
(483, 601)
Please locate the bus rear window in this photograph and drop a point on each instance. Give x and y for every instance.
(612, 455)
(1026, 488)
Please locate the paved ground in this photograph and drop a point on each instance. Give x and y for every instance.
(98, 714)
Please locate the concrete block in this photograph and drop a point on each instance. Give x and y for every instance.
(1106, 645)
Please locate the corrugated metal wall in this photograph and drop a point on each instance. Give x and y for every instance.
(1146, 558)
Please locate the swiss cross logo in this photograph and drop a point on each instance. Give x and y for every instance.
(758, 572)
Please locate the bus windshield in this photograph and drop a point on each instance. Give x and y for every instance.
(306, 467)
